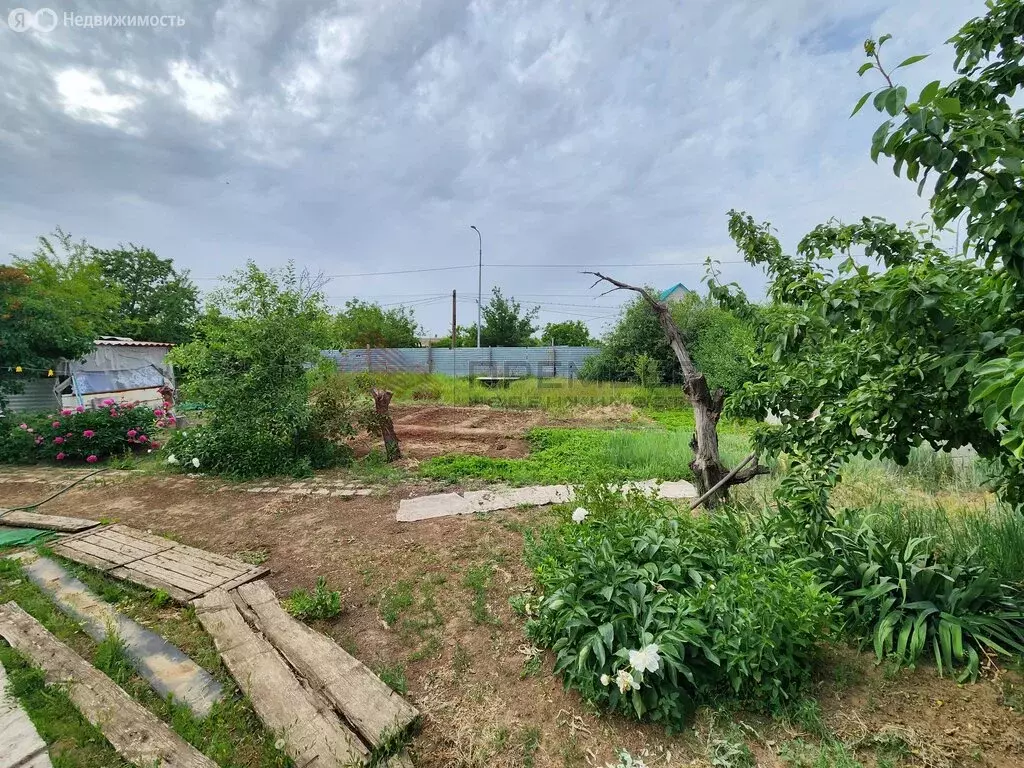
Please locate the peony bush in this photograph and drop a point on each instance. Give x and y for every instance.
(84, 435)
(652, 612)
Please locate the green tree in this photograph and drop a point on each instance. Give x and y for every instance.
(363, 324)
(465, 337)
(158, 303)
(719, 341)
(505, 323)
(966, 137)
(250, 367)
(52, 304)
(570, 333)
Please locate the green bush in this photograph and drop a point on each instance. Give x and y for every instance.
(651, 612)
(252, 365)
(909, 603)
(82, 435)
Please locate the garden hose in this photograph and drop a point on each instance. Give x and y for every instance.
(28, 507)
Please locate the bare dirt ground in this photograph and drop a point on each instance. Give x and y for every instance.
(426, 431)
(430, 601)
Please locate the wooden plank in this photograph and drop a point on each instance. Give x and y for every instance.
(84, 558)
(142, 536)
(221, 572)
(19, 519)
(116, 534)
(20, 743)
(127, 573)
(135, 732)
(159, 572)
(375, 710)
(213, 557)
(245, 578)
(168, 561)
(119, 549)
(312, 736)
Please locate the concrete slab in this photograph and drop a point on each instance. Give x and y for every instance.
(448, 504)
(20, 744)
(162, 665)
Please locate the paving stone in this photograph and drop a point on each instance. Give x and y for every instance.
(447, 504)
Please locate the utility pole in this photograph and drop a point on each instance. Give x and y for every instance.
(479, 283)
(454, 327)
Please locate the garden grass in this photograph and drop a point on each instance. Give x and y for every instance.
(547, 393)
(575, 455)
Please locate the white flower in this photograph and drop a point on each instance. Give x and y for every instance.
(172, 459)
(279, 744)
(605, 680)
(646, 659)
(195, 463)
(579, 515)
(625, 681)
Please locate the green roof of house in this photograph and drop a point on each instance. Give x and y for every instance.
(669, 291)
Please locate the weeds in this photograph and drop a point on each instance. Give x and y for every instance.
(395, 600)
(478, 580)
(111, 658)
(253, 556)
(323, 603)
(829, 754)
(393, 675)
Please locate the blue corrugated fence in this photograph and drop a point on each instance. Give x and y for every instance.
(542, 362)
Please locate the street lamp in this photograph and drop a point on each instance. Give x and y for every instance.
(479, 282)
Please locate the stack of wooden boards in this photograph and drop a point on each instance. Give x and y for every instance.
(326, 707)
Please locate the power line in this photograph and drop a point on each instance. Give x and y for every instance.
(379, 274)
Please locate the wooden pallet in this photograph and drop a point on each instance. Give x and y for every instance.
(20, 519)
(183, 572)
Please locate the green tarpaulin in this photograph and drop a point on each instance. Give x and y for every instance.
(16, 537)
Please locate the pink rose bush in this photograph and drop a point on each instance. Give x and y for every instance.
(82, 434)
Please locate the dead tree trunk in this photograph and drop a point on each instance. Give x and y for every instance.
(384, 424)
(708, 470)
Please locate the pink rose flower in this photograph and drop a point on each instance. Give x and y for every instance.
(88, 433)
(60, 456)
(23, 425)
(132, 433)
(91, 458)
(69, 434)
(39, 439)
(79, 409)
(158, 412)
(108, 401)
(154, 444)
(161, 423)
(66, 412)
(56, 425)
(143, 438)
(113, 413)
(57, 440)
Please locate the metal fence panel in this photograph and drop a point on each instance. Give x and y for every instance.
(542, 362)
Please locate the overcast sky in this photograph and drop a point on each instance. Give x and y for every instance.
(368, 135)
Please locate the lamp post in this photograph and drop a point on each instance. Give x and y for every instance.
(479, 282)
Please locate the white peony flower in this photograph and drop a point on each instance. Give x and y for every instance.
(646, 659)
(172, 459)
(579, 515)
(195, 463)
(605, 680)
(625, 681)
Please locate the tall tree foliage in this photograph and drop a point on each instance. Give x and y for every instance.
(364, 324)
(570, 333)
(157, 302)
(52, 305)
(966, 137)
(506, 323)
(911, 343)
(719, 341)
